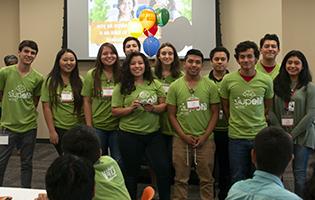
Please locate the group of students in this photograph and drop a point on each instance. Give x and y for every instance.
(165, 114)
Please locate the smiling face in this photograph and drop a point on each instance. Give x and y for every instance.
(137, 67)
(269, 50)
(219, 61)
(247, 60)
(193, 65)
(108, 57)
(27, 55)
(67, 62)
(293, 66)
(166, 55)
(131, 46)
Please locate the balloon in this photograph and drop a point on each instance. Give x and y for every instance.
(152, 31)
(141, 8)
(135, 28)
(162, 16)
(147, 18)
(151, 46)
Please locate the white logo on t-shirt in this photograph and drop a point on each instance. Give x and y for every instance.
(19, 92)
(109, 173)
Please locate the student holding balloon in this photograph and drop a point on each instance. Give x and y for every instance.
(138, 101)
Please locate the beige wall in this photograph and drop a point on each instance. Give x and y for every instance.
(42, 21)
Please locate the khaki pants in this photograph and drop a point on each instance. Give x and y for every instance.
(183, 157)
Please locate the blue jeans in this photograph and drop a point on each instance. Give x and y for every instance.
(241, 166)
(109, 140)
(27, 140)
(301, 156)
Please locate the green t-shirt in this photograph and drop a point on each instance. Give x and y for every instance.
(193, 117)
(101, 105)
(109, 181)
(139, 121)
(63, 111)
(246, 103)
(166, 127)
(18, 110)
(272, 74)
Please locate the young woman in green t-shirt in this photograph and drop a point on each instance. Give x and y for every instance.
(61, 98)
(97, 96)
(138, 100)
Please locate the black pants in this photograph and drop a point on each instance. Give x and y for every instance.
(133, 147)
(60, 133)
(221, 166)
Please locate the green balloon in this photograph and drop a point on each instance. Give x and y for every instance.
(162, 16)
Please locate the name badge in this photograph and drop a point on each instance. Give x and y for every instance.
(221, 114)
(107, 92)
(287, 121)
(166, 87)
(193, 103)
(291, 106)
(66, 97)
(4, 139)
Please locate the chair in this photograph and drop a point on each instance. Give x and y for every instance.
(148, 193)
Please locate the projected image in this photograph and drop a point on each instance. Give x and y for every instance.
(109, 19)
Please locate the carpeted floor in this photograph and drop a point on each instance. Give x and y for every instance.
(45, 154)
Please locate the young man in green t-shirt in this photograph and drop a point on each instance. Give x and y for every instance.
(246, 97)
(20, 85)
(219, 58)
(269, 49)
(193, 107)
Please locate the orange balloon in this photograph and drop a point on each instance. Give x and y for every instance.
(147, 18)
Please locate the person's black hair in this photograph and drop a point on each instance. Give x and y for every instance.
(268, 36)
(274, 149)
(28, 43)
(70, 178)
(54, 81)
(282, 82)
(127, 39)
(10, 60)
(309, 189)
(82, 141)
(195, 52)
(219, 49)
(127, 80)
(175, 66)
(99, 66)
(244, 46)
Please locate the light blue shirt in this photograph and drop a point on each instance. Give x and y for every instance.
(263, 186)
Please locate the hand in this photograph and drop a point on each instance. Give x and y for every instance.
(135, 104)
(148, 107)
(41, 196)
(54, 138)
(189, 139)
(201, 140)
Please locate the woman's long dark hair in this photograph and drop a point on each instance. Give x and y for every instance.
(55, 80)
(127, 79)
(175, 67)
(282, 83)
(99, 66)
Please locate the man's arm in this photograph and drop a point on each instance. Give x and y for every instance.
(189, 139)
(226, 107)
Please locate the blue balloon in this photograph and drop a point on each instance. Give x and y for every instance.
(151, 46)
(141, 8)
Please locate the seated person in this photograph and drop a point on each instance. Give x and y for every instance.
(109, 182)
(272, 152)
(70, 178)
